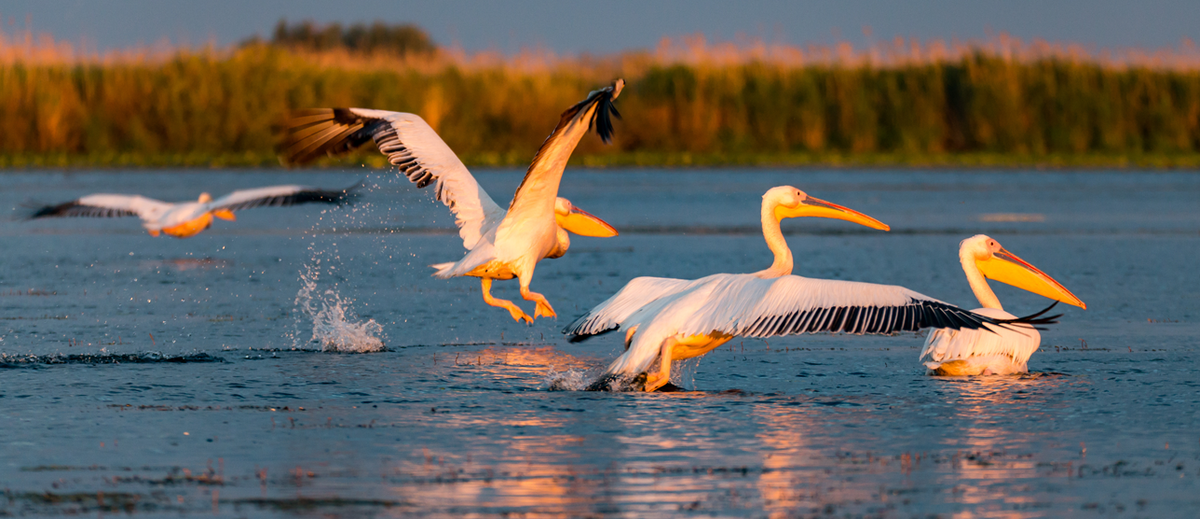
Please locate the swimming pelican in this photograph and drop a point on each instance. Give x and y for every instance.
(675, 319)
(500, 245)
(187, 219)
(1006, 351)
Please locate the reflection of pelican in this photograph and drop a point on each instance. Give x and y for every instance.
(186, 219)
(974, 352)
(675, 319)
(500, 245)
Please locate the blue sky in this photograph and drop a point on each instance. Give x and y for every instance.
(612, 25)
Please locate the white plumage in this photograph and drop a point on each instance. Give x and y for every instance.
(998, 351)
(672, 319)
(500, 244)
(185, 219)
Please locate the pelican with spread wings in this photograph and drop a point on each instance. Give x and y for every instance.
(187, 219)
(668, 319)
(500, 244)
(1000, 352)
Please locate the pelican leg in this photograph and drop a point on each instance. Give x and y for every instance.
(516, 313)
(543, 306)
(660, 379)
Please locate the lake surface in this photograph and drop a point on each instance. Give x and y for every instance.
(168, 377)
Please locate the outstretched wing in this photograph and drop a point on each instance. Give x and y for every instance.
(280, 196)
(609, 315)
(104, 206)
(748, 306)
(410, 144)
(538, 190)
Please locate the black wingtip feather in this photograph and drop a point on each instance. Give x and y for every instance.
(318, 132)
(1036, 320)
(70, 209)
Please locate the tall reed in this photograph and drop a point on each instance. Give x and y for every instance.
(682, 105)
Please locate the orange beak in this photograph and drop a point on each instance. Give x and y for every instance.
(815, 207)
(1006, 267)
(584, 223)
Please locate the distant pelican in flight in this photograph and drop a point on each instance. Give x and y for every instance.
(1007, 350)
(499, 245)
(187, 219)
(675, 319)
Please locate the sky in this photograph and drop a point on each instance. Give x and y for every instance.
(574, 27)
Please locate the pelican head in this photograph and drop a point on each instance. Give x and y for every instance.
(789, 202)
(580, 222)
(997, 263)
(205, 198)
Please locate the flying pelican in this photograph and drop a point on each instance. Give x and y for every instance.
(500, 245)
(187, 219)
(675, 319)
(1006, 351)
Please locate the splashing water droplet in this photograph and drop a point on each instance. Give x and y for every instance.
(334, 325)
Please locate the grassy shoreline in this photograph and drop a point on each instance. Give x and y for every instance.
(1177, 161)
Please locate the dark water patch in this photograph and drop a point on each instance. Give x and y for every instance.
(29, 292)
(150, 357)
(310, 504)
(61, 468)
(263, 408)
(79, 503)
(302, 350)
(186, 264)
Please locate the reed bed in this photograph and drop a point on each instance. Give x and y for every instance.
(688, 102)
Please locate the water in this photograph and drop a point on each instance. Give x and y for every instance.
(210, 376)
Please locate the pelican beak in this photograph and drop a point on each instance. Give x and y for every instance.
(584, 223)
(815, 207)
(1006, 267)
(224, 214)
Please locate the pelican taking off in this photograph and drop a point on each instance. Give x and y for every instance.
(1002, 351)
(187, 219)
(500, 245)
(675, 319)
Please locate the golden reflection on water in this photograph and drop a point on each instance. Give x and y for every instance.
(991, 458)
(533, 475)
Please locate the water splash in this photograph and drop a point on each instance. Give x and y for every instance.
(569, 380)
(683, 376)
(334, 325)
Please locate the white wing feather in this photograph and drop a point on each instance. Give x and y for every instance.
(243, 196)
(420, 152)
(637, 293)
(743, 304)
(146, 208)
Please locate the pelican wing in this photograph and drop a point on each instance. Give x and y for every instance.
(748, 306)
(609, 315)
(410, 144)
(536, 194)
(104, 206)
(279, 196)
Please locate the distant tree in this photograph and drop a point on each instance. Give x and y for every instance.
(377, 37)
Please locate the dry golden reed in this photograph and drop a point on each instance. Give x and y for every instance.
(688, 101)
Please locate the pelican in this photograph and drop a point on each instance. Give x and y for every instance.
(1002, 351)
(675, 319)
(187, 219)
(500, 245)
